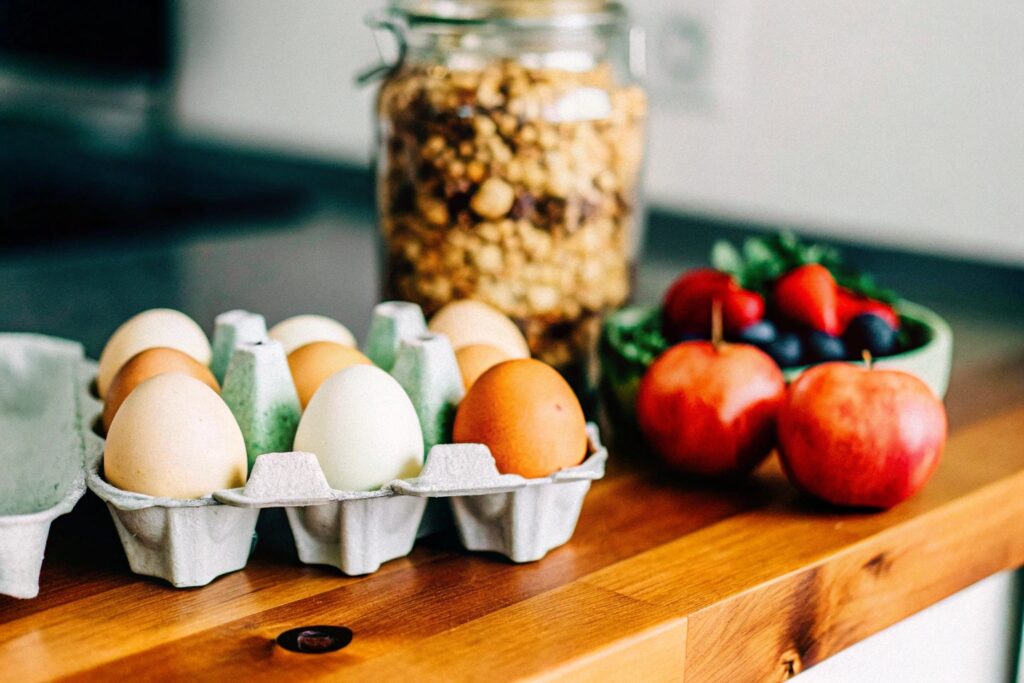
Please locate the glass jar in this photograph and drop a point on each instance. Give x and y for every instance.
(511, 137)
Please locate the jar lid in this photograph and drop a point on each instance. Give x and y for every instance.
(560, 12)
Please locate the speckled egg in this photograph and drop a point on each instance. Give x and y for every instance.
(147, 330)
(363, 429)
(300, 330)
(174, 437)
(470, 322)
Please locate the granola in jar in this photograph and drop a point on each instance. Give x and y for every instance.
(514, 183)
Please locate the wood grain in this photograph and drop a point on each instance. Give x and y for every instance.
(664, 579)
(815, 581)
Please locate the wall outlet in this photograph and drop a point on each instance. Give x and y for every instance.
(697, 52)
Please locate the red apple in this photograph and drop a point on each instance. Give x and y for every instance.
(711, 410)
(857, 436)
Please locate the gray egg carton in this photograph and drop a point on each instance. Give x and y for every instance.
(357, 531)
(188, 542)
(43, 449)
(191, 542)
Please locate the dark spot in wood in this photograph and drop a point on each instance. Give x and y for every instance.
(790, 667)
(804, 622)
(877, 565)
(315, 639)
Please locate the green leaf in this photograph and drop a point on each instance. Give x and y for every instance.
(864, 284)
(726, 258)
(757, 250)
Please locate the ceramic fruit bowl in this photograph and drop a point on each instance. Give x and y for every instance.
(631, 339)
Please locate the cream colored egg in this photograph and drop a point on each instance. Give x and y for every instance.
(469, 322)
(305, 329)
(147, 330)
(174, 437)
(363, 429)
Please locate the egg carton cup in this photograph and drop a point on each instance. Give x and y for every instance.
(190, 542)
(44, 455)
(357, 531)
(187, 542)
(522, 519)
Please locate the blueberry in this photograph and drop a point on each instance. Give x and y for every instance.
(690, 336)
(786, 350)
(759, 333)
(822, 347)
(871, 332)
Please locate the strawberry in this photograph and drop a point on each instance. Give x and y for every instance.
(687, 303)
(851, 304)
(809, 295)
(741, 308)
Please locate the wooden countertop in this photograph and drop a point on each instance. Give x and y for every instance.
(663, 579)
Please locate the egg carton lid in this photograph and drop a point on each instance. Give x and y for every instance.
(26, 358)
(294, 479)
(18, 345)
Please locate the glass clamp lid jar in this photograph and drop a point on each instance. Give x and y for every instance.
(511, 138)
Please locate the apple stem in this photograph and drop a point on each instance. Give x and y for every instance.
(716, 324)
(868, 360)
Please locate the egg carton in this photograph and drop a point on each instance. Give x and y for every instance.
(357, 531)
(43, 452)
(191, 542)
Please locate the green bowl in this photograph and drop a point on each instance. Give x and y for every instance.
(628, 347)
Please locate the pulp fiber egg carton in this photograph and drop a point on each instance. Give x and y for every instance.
(191, 542)
(43, 449)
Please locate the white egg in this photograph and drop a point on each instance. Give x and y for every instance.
(362, 427)
(305, 329)
(147, 330)
(174, 437)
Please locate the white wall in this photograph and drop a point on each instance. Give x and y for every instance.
(278, 74)
(894, 121)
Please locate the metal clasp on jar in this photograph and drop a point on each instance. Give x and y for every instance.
(384, 22)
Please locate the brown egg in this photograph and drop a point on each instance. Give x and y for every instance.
(476, 359)
(313, 363)
(146, 364)
(527, 415)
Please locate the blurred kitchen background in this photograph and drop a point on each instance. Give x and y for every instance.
(893, 126)
(894, 123)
